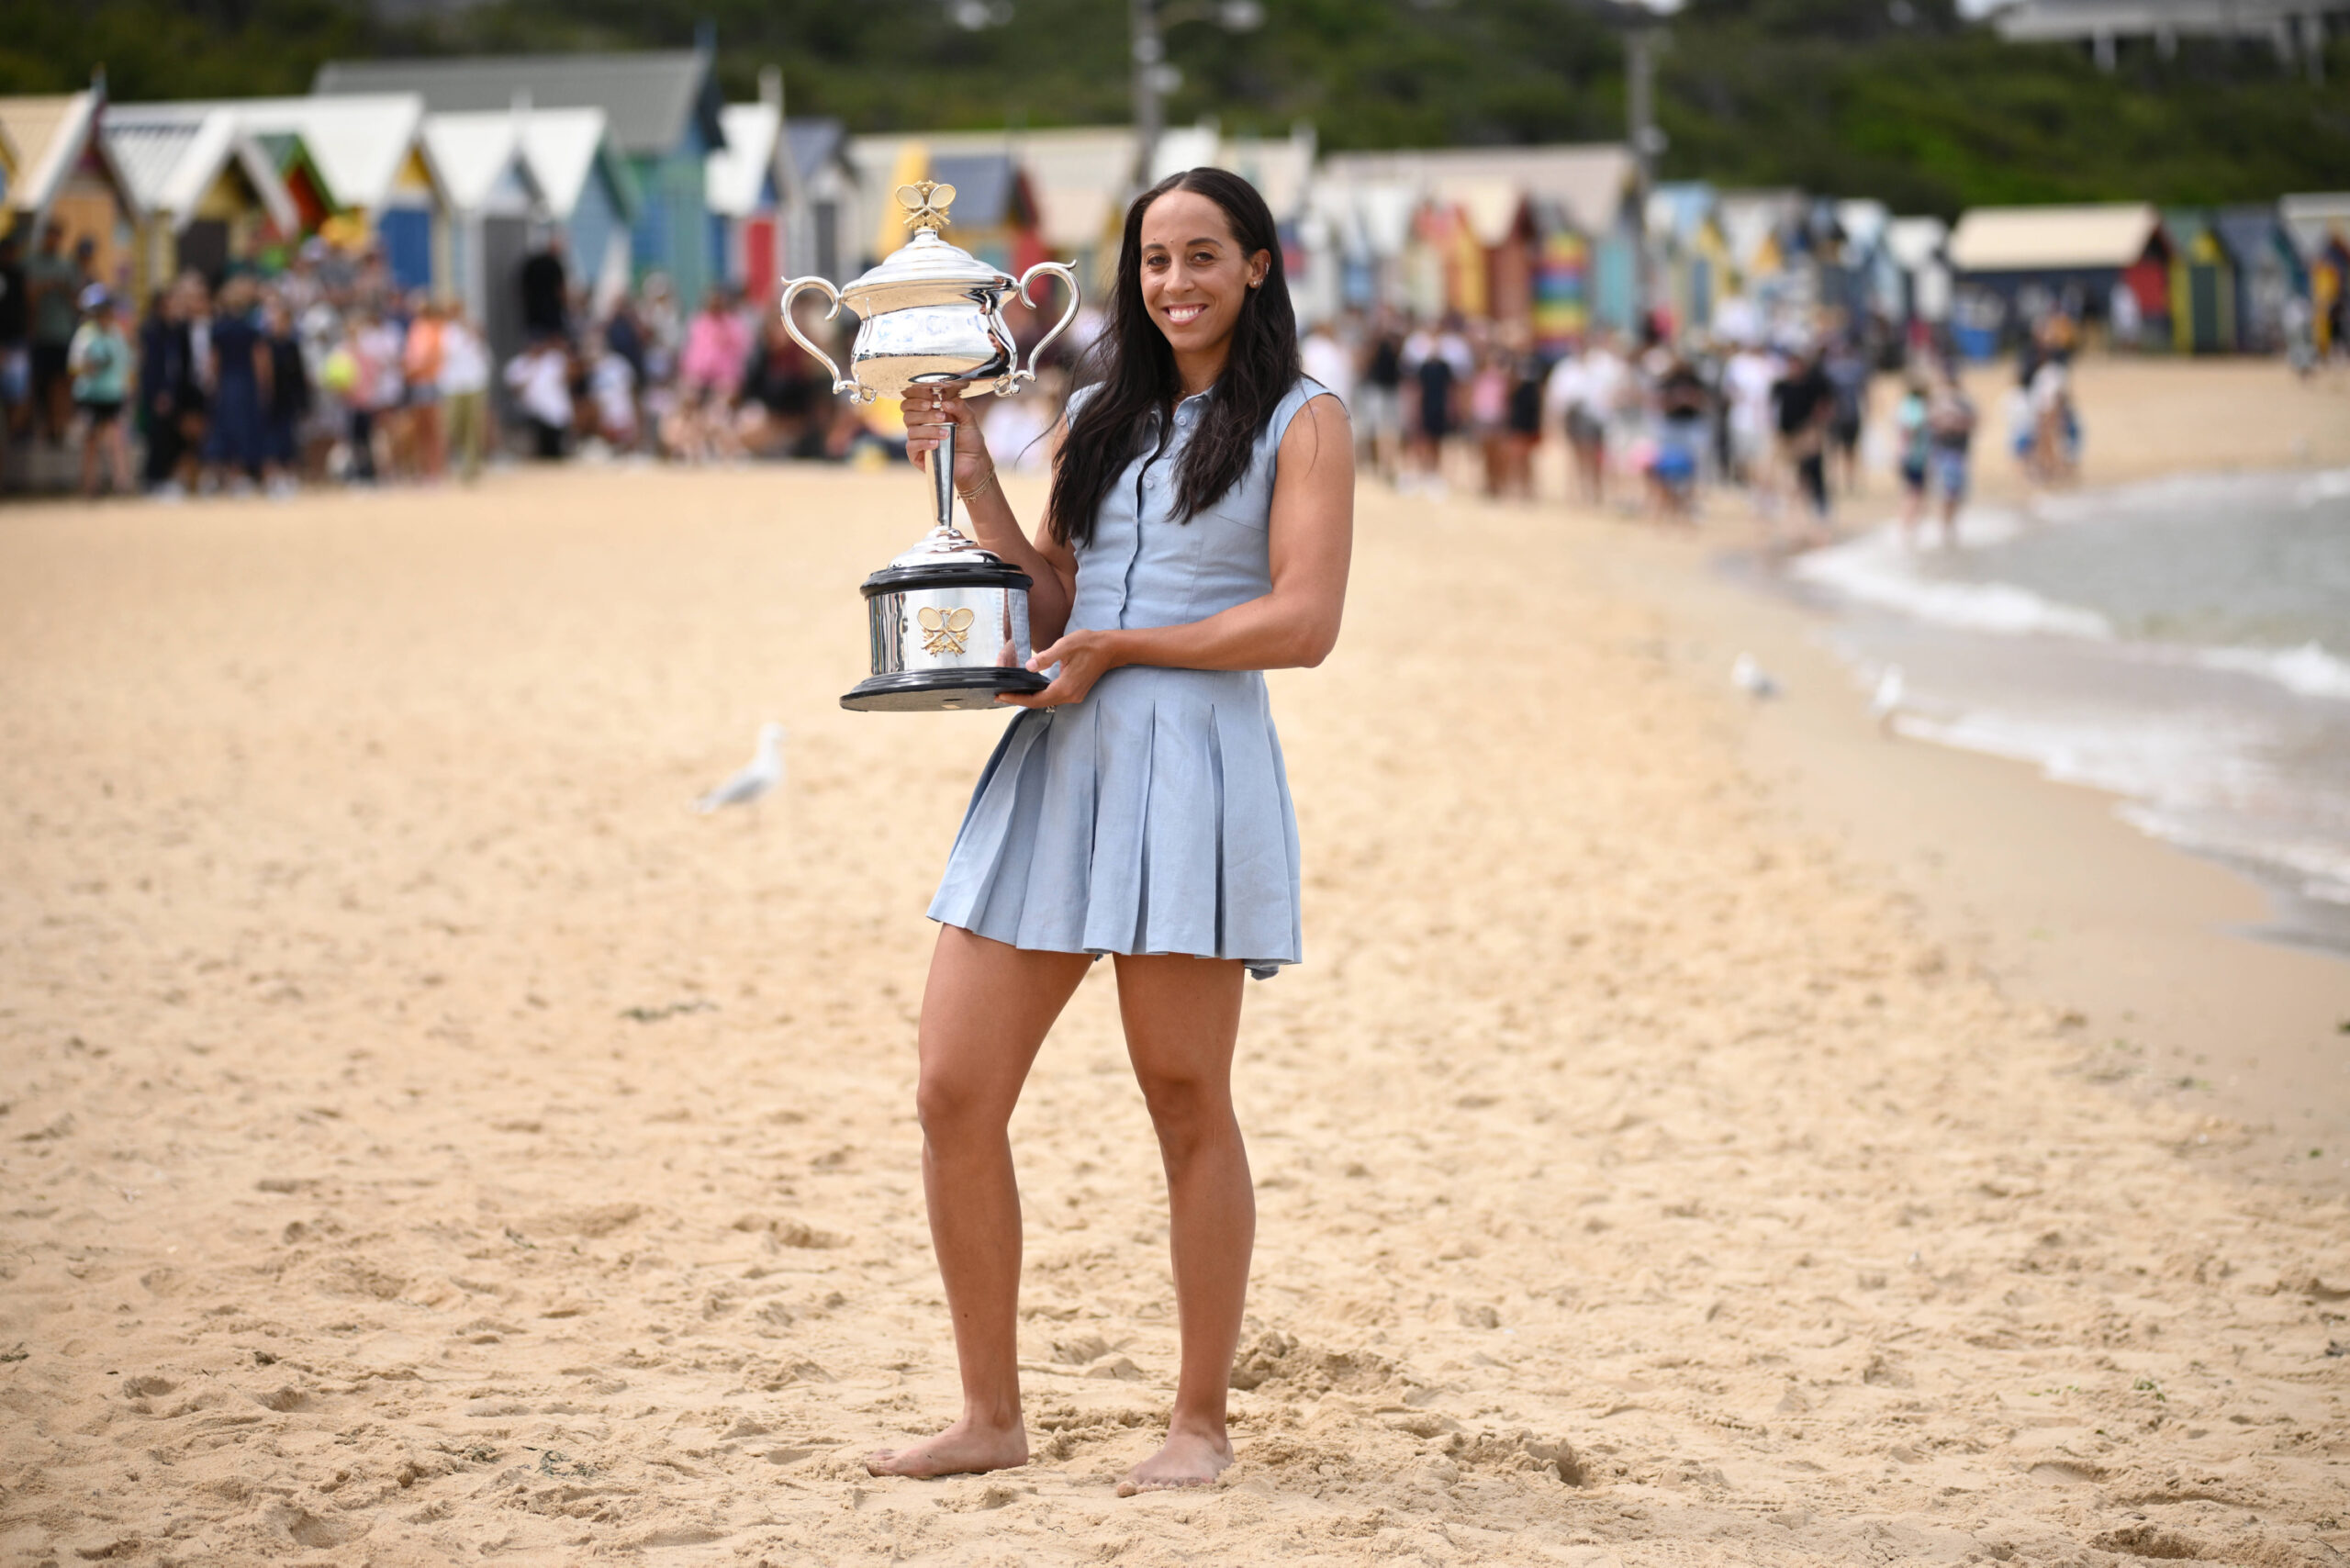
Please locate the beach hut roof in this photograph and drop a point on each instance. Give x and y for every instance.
(1751, 220)
(359, 145)
(563, 148)
(813, 143)
(987, 188)
(47, 136)
(1075, 174)
(1914, 243)
(736, 176)
(1586, 182)
(1864, 222)
(477, 154)
(169, 158)
(2037, 239)
(1677, 207)
(2314, 220)
(2250, 230)
(653, 96)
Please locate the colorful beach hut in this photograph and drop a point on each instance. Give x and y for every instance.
(206, 193)
(2202, 282)
(63, 175)
(662, 112)
(357, 167)
(1692, 253)
(2319, 225)
(2027, 261)
(2268, 273)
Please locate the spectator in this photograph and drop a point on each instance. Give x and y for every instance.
(52, 286)
(1328, 361)
(546, 290)
(382, 393)
(233, 446)
(540, 379)
(166, 385)
(611, 395)
(465, 391)
(288, 398)
(421, 357)
(98, 359)
(1804, 403)
(1436, 363)
(15, 341)
(1381, 395)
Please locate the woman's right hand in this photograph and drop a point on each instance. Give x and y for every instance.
(929, 410)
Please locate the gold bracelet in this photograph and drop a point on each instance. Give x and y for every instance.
(976, 491)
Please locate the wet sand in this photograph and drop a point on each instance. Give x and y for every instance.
(426, 1139)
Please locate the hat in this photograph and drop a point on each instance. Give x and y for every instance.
(96, 297)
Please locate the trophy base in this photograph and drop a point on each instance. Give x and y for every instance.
(931, 690)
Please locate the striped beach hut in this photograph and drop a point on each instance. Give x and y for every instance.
(662, 111)
(208, 196)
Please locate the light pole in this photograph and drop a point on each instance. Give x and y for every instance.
(1154, 78)
(1640, 46)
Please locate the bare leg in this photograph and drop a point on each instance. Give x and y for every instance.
(1182, 1016)
(984, 1015)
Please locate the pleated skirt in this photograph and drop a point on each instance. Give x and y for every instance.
(1153, 817)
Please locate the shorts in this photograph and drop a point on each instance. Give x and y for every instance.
(1586, 430)
(1950, 473)
(1382, 408)
(102, 410)
(1913, 478)
(49, 365)
(1846, 434)
(15, 377)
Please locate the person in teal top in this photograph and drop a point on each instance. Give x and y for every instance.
(1197, 535)
(99, 360)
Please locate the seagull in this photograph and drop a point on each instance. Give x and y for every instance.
(1752, 678)
(764, 772)
(1886, 704)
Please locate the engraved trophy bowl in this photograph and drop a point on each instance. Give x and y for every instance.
(949, 618)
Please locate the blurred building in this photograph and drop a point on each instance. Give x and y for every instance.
(61, 175)
(2017, 263)
(662, 111)
(356, 168)
(206, 193)
(2297, 29)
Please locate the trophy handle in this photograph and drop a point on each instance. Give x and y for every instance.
(790, 291)
(1069, 281)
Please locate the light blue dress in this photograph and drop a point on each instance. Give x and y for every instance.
(1154, 816)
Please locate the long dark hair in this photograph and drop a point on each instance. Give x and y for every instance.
(1133, 369)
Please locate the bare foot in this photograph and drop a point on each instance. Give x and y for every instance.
(1186, 1459)
(964, 1448)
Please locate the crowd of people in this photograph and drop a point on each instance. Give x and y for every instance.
(326, 371)
(1650, 423)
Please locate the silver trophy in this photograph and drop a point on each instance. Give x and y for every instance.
(949, 618)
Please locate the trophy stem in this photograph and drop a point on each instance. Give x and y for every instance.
(942, 480)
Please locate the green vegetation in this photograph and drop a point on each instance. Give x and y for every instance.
(1890, 98)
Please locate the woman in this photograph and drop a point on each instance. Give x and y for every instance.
(1198, 534)
(233, 446)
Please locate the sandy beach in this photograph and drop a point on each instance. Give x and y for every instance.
(426, 1141)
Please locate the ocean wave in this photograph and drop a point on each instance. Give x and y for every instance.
(1878, 569)
(2308, 670)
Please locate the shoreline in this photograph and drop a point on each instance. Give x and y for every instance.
(2159, 961)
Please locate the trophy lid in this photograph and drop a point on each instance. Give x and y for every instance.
(926, 262)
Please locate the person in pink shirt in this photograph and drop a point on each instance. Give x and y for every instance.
(717, 347)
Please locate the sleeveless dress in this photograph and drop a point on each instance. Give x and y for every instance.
(1154, 816)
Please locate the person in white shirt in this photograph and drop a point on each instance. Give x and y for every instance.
(540, 378)
(464, 390)
(1747, 380)
(1328, 361)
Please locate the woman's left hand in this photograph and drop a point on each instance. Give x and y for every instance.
(1084, 657)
